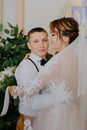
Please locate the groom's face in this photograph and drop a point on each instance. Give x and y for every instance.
(38, 43)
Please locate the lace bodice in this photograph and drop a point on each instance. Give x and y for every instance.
(59, 89)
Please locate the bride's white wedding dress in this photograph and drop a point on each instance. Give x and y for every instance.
(64, 76)
(63, 115)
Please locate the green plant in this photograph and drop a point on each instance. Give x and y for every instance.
(13, 48)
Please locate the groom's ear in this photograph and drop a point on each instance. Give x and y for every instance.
(28, 44)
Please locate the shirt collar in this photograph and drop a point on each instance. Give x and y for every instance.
(35, 57)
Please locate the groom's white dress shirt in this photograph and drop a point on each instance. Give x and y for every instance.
(25, 74)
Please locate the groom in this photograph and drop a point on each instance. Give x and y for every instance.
(28, 69)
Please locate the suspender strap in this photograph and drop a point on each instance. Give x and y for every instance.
(40, 92)
(34, 64)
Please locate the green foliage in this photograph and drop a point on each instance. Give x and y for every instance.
(14, 47)
(8, 81)
(1, 27)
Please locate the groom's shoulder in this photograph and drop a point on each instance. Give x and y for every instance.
(23, 63)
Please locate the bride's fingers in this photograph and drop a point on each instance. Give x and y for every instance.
(10, 90)
(27, 55)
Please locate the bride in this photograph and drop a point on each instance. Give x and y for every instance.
(64, 76)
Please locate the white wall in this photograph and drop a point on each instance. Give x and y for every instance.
(36, 12)
(8, 11)
(41, 12)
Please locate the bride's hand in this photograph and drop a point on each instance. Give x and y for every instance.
(11, 89)
(27, 55)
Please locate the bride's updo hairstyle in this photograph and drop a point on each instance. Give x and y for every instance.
(65, 27)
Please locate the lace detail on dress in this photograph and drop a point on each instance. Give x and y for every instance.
(61, 90)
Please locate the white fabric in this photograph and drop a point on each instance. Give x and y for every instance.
(65, 75)
(27, 125)
(6, 103)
